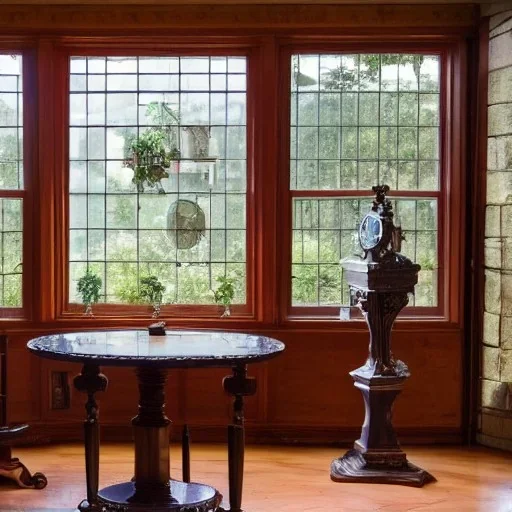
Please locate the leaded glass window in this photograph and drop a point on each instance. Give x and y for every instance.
(11, 181)
(189, 227)
(359, 120)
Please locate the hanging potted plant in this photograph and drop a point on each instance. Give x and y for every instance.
(151, 291)
(88, 287)
(150, 159)
(224, 294)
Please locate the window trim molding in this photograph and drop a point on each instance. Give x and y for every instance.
(167, 47)
(103, 18)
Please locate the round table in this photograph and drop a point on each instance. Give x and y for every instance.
(151, 356)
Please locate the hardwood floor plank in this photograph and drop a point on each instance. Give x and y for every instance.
(281, 478)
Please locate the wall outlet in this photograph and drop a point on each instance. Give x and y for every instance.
(59, 390)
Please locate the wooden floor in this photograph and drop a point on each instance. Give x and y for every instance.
(283, 479)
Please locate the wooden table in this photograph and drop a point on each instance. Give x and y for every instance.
(151, 356)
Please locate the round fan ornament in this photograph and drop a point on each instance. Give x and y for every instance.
(185, 223)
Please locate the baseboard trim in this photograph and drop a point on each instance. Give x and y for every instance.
(494, 442)
(43, 433)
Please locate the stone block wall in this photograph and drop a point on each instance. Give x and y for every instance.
(496, 370)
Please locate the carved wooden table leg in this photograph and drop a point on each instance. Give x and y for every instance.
(91, 381)
(238, 385)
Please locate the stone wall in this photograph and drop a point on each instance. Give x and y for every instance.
(496, 373)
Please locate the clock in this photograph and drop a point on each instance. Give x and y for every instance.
(370, 231)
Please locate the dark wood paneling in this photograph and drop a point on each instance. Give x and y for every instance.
(309, 384)
(23, 375)
(305, 395)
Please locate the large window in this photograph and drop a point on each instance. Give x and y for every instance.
(241, 163)
(157, 175)
(11, 184)
(359, 120)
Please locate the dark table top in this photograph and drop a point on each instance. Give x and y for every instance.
(178, 349)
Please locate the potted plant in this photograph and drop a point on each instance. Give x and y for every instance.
(150, 159)
(88, 287)
(151, 291)
(224, 294)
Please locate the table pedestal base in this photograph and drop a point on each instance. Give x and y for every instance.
(352, 467)
(179, 497)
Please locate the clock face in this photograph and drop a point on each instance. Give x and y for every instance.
(370, 231)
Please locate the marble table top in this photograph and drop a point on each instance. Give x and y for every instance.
(177, 349)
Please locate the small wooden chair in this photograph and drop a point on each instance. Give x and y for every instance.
(12, 467)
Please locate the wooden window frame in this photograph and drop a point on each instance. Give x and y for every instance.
(156, 46)
(451, 206)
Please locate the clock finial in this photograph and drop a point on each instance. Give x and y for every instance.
(381, 204)
(380, 239)
(380, 192)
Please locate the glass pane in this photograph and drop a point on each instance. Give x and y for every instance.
(11, 177)
(158, 175)
(11, 247)
(377, 110)
(326, 230)
(11, 122)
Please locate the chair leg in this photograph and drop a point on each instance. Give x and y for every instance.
(185, 453)
(13, 469)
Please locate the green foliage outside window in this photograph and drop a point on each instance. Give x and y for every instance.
(124, 234)
(359, 120)
(11, 178)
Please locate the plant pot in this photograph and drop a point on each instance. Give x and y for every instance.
(148, 173)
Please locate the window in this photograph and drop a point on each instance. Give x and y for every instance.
(358, 120)
(12, 191)
(178, 214)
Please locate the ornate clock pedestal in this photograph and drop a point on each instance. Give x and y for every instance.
(381, 283)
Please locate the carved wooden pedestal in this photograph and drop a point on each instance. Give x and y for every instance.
(377, 456)
(382, 282)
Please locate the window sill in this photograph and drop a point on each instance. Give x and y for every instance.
(403, 323)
